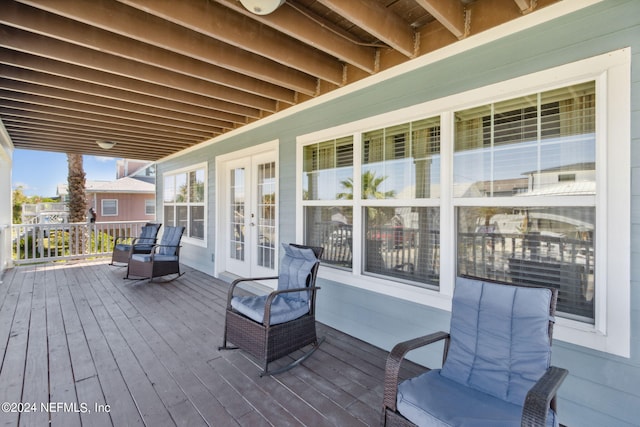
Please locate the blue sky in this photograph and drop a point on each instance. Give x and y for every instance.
(39, 172)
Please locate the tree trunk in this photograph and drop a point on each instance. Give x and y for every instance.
(78, 235)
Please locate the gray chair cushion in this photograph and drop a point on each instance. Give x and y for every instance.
(148, 235)
(170, 240)
(499, 338)
(283, 309)
(295, 268)
(157, 258)
(434, 400)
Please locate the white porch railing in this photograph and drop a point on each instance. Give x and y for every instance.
(31, 243)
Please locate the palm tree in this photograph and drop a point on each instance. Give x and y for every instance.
(78, 237)
(370, 184)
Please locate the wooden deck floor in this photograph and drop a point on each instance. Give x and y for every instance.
(81, 347)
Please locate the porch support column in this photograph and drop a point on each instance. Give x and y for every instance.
(6, 205)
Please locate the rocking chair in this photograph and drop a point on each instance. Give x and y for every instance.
(272, 326)
(125, 246)
(162, 260)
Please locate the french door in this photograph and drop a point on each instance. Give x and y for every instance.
(250, 220)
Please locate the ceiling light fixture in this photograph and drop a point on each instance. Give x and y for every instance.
(261, 7)
(105, 145)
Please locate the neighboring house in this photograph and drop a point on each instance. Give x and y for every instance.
(125, 199)
(558, 88)
(131, 197)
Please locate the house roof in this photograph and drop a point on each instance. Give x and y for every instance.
(159, 76)
(122, 185)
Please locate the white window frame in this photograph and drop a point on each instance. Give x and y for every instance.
(102, 207)
(612, 74)
(192, 168)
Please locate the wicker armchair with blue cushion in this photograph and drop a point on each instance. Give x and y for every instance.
(162, 260)
(275, 325)
(125, 246)
(496, 370)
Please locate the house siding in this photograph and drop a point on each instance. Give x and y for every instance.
(131, 207)
(601, 389)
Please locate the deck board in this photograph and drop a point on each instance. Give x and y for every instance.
(78, 334)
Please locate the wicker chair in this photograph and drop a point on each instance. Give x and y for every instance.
(272, 326)
(125, 246)
(162, 260)
(496, 368)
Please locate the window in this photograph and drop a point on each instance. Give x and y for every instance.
(540, 151)
(184, 201)
(532, 187)
(394, 202)
(109, 207)
(150, 207)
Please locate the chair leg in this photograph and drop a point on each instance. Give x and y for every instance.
(293, 364)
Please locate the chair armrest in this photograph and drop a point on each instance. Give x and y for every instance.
(394, 360)
(536, 404)
(240, 280)
(267, 305)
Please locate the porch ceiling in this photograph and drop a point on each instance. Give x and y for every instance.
(158, 76)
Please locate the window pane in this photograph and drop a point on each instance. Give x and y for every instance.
(181, 188)
(182, 216)
(328, 170)
(169, 189)
(150, 207)
(109, 207)
(196, 222)
(548, 246)
(533, 145)
(402, 162)
(169, 216)
(404, 243)
(196, 186)
(330, 227)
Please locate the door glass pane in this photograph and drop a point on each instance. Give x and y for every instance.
(237, 205)
(266, 214)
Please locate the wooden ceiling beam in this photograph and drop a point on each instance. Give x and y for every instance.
(84, 101)
(35, 117)
(300, 23)
(114, 17)
(92, 89)
(104, 111)
(58, 133)
(23, 122)
(62, 114)
(76, 72)
(450, 13)
(88, 147)
(526, 6)
(376, 19)
(223, 24)
(34, 44)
